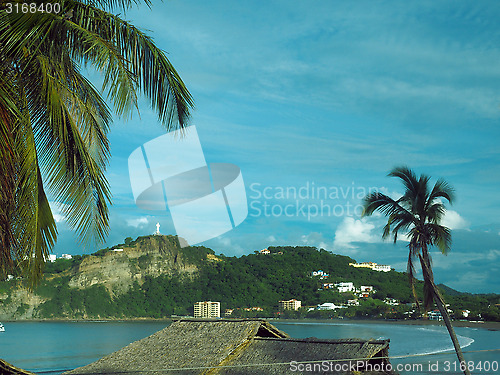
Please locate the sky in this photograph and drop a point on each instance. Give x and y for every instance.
(316, 102)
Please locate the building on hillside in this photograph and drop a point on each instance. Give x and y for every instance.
(345, 287)
(321, 274)
(66, 256)
(373, 266)
(117, 250)
(435, 315)
(382, 268)
(329, 306)
(391, 301)
(265, 252)
(255, 308)
(328, 285)
(51, 258)
(366, 288)
(207, 309)
(291, 304)
(241, 346)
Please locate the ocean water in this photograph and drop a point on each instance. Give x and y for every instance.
(414, 349)
(54, 347)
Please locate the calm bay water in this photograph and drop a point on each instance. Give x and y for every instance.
(53, 347)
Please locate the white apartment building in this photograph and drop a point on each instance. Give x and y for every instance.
(292, 304)
(329, 306)
(372, 266)
(345, 287)
(435, 315)
(382, 268)
(207, 309)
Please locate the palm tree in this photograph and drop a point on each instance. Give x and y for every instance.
(417, 214)
(54, 122)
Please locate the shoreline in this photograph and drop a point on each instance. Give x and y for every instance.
(492, 326)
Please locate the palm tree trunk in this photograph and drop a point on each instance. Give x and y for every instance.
(438, 299)
(446, 317)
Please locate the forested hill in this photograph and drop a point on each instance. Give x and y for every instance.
(153, 277)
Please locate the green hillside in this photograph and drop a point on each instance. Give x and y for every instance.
(129, 284)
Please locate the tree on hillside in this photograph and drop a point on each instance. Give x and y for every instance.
(418, 214)
(54, 122)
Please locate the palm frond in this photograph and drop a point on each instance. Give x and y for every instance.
(111, 4)
(410, 270)
(73, 161)
(435, 212)
(33, 225)
(154, 73)
(9, 114)
(380, 202)
(431, 291)
(442, 190)
(54, 123)
(404, 224)
(440, 236)
(408, 178)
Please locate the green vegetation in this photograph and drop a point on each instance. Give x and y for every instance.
(251, 285)
(54, 122)
(418, 214)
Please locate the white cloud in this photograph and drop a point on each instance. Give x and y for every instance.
(225, 245)
(353, 230)
(453, 220)
(493, 255)
(315, 239)
(271, 239)
(138, 222)
(56, 209)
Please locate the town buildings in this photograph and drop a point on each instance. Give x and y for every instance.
(292, 304)
(435, 315)
(373, 266)
(330, 306)
(345, 287)
(207, 309)
(321, 274)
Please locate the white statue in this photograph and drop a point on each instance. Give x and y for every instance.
(157, 229)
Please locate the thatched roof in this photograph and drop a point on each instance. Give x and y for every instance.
(8, 369)
(278, 353)
(227, 346)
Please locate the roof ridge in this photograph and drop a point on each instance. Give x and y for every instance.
(326, 341)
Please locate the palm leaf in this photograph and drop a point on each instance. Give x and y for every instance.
(444, 190)
(54, 123)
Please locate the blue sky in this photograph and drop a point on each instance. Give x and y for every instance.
(332, 95)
